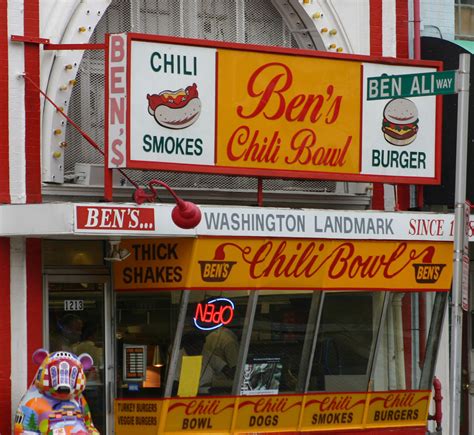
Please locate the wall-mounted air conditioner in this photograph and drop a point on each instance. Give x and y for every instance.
(90, 174)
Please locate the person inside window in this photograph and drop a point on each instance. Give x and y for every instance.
(224, 344)
(68, 334)
(88, 344)
(192, 344)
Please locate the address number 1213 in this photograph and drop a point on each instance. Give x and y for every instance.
(73, 305)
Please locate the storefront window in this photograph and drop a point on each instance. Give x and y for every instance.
(83, 253)
(210, 343)
(346, 340)
(194, 343)
(146, 324)
(207, 349)
(409, 334)
(277, 341)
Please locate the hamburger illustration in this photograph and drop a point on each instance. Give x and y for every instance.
(400, 121)
(175, 109)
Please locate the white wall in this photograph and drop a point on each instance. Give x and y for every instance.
(437, 18)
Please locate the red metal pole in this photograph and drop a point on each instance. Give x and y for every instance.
(438, 398)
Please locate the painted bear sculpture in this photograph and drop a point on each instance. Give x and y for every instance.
(54, 404)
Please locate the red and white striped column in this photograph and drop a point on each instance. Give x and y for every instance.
(20, 182)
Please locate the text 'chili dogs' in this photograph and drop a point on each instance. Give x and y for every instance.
(175, 109)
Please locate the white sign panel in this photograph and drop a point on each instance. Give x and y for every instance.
(325, 224)
(398, 134)
(172, 103)
(155, 221)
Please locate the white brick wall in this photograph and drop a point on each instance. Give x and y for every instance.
(16, 104)
(437, 18)
(18, 297)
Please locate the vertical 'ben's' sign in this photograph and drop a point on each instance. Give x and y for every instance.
(116, 103)
(213, 107)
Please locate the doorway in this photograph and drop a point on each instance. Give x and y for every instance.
(78, 320)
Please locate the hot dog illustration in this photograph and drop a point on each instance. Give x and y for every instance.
(175, 109)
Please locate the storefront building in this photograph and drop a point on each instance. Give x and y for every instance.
(299, 319)
(345, 353)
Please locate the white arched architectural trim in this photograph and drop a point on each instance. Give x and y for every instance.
(74, 22)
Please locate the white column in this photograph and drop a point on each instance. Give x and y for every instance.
(18, 318)
(16, 103)
(389, 28)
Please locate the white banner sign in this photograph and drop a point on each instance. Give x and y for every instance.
(326, 224)
(154, 220)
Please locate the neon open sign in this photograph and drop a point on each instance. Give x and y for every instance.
(213, 314)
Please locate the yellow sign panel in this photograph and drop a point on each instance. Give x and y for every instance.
(288, 112)
(266, 414)
(154, 263)
(238, 263)
(398, 408)
(269, 413)
(200, 415)
(140, 417)
(326, 411)
(190, 376)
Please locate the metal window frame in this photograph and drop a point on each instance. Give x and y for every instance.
(183, 308)
(83, 275)
(457, 17)
(432, 340)
(245, 342)
(310, 341)
(388, 297)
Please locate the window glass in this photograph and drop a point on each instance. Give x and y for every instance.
(73, 253)
(76, 324)
(346, 340)
(298, 341)
(146, 324)
(277, 341)
(210, 343)
(464, 19)
(404, 341)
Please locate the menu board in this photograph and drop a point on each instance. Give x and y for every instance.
(134, 362)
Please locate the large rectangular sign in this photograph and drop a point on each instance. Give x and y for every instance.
(264, 414)
(224, 108)
(239, 263)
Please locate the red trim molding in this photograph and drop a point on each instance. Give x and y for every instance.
(5, 337)
(34, 301)
(376, 28)
(402, 28)
(32, 105)
(4, 138)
